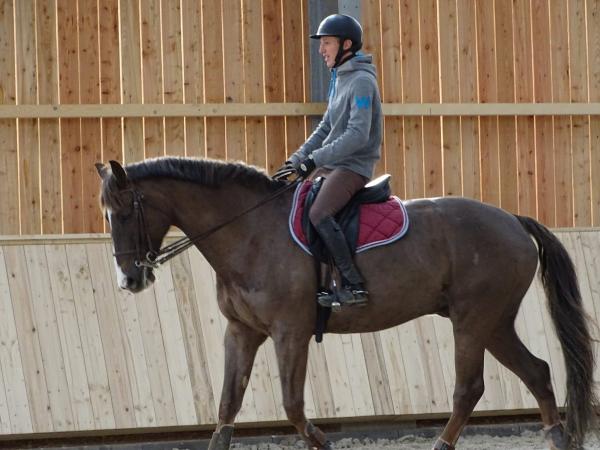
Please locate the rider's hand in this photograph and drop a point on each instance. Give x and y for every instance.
(306, 166)
(284, 171)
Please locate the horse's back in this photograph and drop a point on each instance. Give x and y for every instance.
(459, 254)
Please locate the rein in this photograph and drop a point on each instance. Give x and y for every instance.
(154, 258)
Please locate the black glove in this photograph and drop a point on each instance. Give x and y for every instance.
(306, 166)
(284, 171)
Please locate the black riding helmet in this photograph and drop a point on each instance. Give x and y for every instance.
(343, 27)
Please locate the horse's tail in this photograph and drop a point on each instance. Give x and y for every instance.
(570, 321)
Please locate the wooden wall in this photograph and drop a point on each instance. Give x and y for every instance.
(77, 353)
(245, 51)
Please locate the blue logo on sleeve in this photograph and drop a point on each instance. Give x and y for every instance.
(362, 102)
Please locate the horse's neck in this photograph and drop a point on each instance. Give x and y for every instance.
(228, 248)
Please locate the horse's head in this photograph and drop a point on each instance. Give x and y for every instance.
(137, 227)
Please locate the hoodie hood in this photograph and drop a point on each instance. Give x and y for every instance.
(359, 62)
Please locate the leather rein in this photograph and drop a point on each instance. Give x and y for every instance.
(154, 258)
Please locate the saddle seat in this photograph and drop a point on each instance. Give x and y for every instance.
(373, 217)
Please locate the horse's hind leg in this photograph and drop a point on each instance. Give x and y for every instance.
(241, 345)
(292, 357)
(469, 387)
(507, 348)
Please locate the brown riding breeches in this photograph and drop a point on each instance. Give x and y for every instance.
(338, 188)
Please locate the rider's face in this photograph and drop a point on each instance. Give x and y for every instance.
(328, 48)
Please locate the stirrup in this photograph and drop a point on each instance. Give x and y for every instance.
(356, 296)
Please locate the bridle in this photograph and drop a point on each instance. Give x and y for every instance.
(154, 258)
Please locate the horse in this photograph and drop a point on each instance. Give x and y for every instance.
(462, 259)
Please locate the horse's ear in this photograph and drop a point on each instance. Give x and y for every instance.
(119, 174)
(102, 170)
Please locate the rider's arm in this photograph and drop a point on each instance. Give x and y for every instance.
(313, 142)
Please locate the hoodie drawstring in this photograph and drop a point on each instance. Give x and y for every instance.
(331, 87)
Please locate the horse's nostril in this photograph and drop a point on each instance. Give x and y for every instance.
(130, 282)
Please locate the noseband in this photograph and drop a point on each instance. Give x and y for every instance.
(154, 258)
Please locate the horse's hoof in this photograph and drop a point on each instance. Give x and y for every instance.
(555, 436)
(222, 439)
(440, 444)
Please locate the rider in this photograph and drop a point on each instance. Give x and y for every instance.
(346, 144)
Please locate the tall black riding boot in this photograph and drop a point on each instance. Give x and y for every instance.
(352, 292)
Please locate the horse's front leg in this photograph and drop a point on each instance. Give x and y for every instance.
(241, 345)
(292, 357)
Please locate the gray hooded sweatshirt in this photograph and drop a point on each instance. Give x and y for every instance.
(349, 136)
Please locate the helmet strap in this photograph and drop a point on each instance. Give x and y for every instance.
(341, 52)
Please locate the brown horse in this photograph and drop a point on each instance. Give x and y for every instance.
(461, 259)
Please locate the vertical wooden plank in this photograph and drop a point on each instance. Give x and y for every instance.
(338, 376)
(428, 346)
(253, 81)
(507, 151)
(467, 57)
(411, 88)
(156, 360)
(274, 84)
(377, 374)
(524, 93)
(294, 69)
(29, 158)
(173, 74)
(27, 332)
(542, 85)
(9, 162)
(91, 139)
(15, 389)
(173, 341)
(445, 339)
(593, 28)
(128, 326)
(154, 139)
(212, 332)
(430, 86)
(49, 129)
(91, 339)
(44, 316)
(580, 129)
(356, 366)
(262, 387)
(195, 347)
(212, 29)
(394, 365)
(318, 378)
(415, 367)
(193, 73)
(110, 78)
(211, 329)
(117, 353)
(450, 89)
(234, 78)
(70, 132)
(131, 69)
(70, 339)
(391, 73)
(559, 47)
(488, 126)
(373, 28)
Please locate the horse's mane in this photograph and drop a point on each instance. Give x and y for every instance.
(203, 171)
(208, 172)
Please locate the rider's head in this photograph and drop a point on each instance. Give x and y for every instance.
(341, 38)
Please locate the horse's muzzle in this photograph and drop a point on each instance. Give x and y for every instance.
(140, 283)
